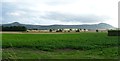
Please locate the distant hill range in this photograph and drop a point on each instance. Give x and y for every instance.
(43, 27)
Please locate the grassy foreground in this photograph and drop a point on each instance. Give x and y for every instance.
(59, 46)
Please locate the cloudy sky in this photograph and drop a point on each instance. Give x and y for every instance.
(67, 12)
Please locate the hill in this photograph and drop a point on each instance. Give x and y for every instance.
(84, 26)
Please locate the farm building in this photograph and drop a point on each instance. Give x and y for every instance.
(69, 30)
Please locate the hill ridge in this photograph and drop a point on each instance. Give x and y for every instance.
(58, 26)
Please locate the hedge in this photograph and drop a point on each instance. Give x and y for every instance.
(113, 32)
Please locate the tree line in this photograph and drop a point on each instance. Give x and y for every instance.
(14, 28)
(113, 32)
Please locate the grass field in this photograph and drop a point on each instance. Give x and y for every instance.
(60, 46)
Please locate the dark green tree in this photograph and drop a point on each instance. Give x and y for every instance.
(77, 30)
(50, 30)
(14, 28)
(97, 30)
(70, 29)
(84, 30)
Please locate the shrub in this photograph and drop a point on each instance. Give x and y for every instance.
(113, 32)
(14, 28)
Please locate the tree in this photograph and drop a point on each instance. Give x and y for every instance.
(70, 29)
(77, 30)
(0, 28)
(60, 30)
(14, 28)
(84, 30)
(50, 30)
(97, 30)
(80, 29)
(35, 29)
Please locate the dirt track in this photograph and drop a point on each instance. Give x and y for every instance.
(32, 32)
(11, 32)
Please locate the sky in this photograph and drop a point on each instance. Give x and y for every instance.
(66, 12)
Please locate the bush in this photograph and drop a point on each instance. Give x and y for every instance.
(77, 30)
(60, 30)
(50, 30)
(97, 30)
(14, 28)
(113, 32)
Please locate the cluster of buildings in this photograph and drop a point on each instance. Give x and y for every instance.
(69, 30)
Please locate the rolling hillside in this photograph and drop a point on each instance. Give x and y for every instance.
(85, 26)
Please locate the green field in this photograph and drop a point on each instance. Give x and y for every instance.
(60, 46)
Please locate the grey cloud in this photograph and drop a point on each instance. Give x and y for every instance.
(59, 2)
(74, 18)
(56, 16)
